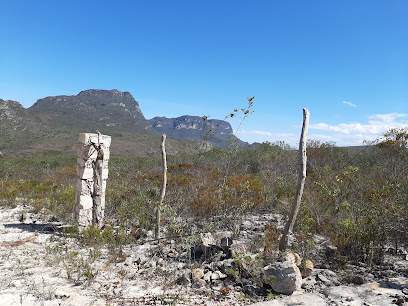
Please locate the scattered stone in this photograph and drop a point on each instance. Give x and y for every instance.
(197, 273)
(228, 264)
(357, 280)
(324, 279)
(238, 249)
(217, 284)
(173, 254)
(309, 283)
(59, 294)
(116, 291)
(329, 273)
(160, 262)
(284, 277)
(298, 260)
(306, 268)
(251, 291)
(327, 277)
(207, 248)
(182, 280)
(215, 276)
(207, 239)
(207, 276)
(149, 234)
(218, 275)
(199, 283)
(288, 256)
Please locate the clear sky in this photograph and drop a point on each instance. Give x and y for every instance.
(345, 61)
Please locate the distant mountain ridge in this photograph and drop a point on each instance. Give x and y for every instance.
(54, 123)
(95, 108)
(218, 132)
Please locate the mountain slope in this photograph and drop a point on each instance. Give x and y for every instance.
(15, 118)
(18, 128)
(54, 123)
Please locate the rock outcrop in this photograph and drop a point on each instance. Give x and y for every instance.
(284, 275)
(95, 108)
(217, 132)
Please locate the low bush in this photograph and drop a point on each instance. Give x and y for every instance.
(358, 198)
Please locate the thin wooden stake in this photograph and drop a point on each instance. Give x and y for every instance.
(301, 182)
(163, 190)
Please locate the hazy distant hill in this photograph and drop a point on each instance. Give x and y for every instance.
(218, 132)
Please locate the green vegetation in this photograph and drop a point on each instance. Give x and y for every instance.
(358, 199)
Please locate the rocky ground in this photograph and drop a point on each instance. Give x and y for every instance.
(40, 267)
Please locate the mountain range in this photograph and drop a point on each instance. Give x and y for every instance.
(54, 123)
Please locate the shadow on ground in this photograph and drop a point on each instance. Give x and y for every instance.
(37, 227)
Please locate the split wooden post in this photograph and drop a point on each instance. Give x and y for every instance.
(301, 182)
(163, 190)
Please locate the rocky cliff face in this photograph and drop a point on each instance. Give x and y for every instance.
(102, 93)
(190, 127)
(218, 132)
(95, 108)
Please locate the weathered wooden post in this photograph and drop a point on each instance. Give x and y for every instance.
(301, 182)
(92, 169)
(163, 190)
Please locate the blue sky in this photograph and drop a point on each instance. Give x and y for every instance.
(345, 61)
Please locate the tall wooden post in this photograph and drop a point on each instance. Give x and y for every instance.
(301, 182)
(163, 190)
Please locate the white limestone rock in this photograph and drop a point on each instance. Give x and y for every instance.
(284, 276)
